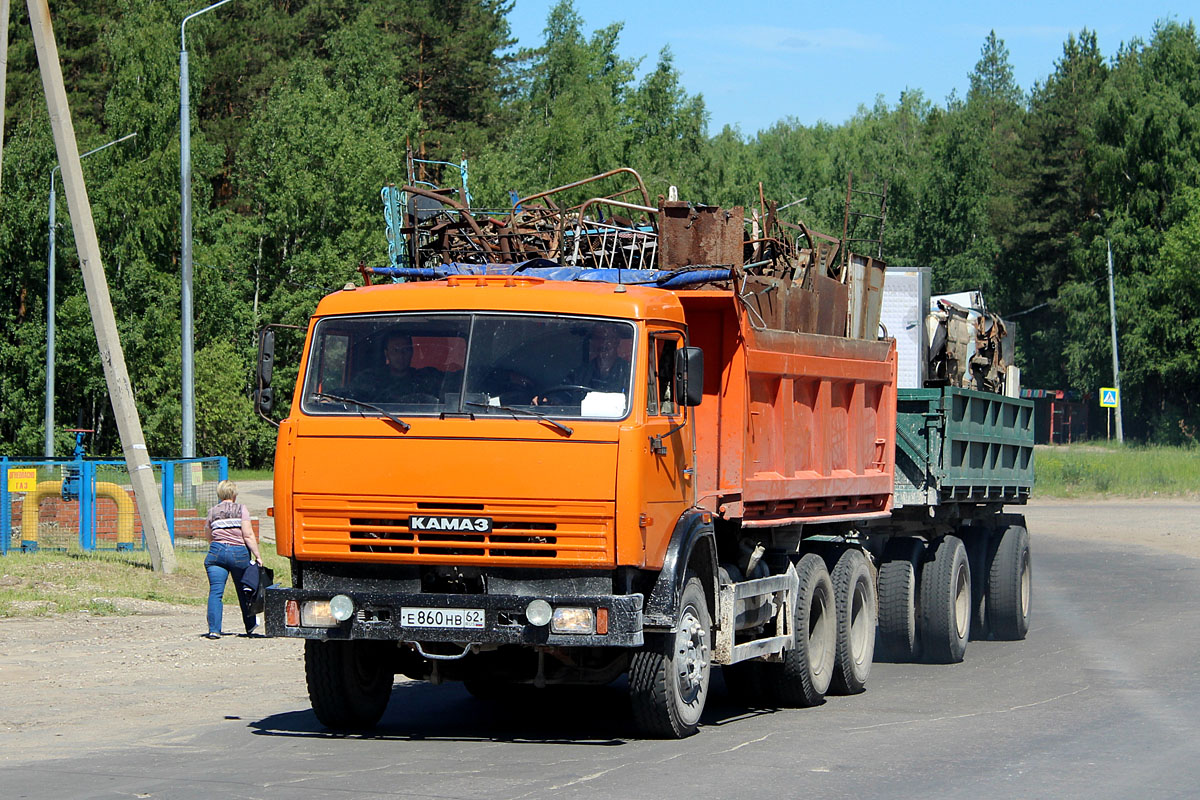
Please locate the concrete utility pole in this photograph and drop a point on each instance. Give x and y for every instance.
(137, 459)
(1112, 311)
(1112, 316)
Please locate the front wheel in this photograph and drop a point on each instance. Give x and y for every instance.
(668, 680)
(349, 683)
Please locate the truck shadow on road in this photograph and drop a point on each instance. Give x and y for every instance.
(595, 716)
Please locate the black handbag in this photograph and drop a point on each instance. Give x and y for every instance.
(253, 586)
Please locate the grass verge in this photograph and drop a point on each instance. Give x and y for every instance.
(105, 582)
(1093, 470)
(238, 475)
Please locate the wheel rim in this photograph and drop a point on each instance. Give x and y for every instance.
(820, 626)
(691, 657)
(858, 623)
(962, 602)
(1026, 583)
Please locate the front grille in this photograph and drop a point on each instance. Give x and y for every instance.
(565, 533)
(507, 539)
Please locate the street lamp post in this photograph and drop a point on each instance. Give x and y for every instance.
(48, 444)
(185, 192)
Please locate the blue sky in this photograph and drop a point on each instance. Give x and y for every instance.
(759, 61)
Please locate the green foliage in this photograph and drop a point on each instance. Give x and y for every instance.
(301, 110)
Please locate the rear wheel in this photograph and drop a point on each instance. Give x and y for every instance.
(1010, 585)
(946, 603)
(898, 600)
(349, 683)
(854, 595)
(668, 680)
(802, 677)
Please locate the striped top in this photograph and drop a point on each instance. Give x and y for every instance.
(225, 522)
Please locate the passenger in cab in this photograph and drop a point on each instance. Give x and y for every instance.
(396, 381)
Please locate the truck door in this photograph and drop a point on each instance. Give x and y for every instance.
(667, 488)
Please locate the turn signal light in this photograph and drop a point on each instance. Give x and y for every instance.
(291, 614)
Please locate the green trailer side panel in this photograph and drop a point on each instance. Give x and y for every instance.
(960, 445)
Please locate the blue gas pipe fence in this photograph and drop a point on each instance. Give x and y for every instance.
(188, 487)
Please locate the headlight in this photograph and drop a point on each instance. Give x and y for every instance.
(573, 620)
(341, 606)
(538, 612)
(326, 613)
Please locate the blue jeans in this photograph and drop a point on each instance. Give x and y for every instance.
(222, 561)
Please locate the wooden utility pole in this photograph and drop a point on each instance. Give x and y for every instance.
(137, 459)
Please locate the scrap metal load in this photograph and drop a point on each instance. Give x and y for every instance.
(607, 228)
(969, 346)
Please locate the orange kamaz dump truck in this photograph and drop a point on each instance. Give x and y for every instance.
(514, 471)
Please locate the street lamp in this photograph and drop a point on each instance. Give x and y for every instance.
(48, 444)
(185, 193)
(1112, 312)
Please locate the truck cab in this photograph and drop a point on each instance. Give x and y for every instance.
(531, 457)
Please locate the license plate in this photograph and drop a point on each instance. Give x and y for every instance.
(441, 617)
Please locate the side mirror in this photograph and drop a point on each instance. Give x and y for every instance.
(266, 356)
(264, 400)
(689, 375)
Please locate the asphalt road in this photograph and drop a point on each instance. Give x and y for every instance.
(1100, 701)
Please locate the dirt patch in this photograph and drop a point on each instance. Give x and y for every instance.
(75, 683)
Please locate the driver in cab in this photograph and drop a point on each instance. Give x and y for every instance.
(606, 369)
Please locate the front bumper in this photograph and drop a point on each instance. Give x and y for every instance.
(377, 616)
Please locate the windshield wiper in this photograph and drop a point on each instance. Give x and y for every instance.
(529, 411)
(401, 424)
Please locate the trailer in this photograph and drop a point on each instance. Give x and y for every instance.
(539, 468)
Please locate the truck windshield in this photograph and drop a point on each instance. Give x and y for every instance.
(470, 364)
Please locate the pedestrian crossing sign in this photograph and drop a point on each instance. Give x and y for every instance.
(1108, 397)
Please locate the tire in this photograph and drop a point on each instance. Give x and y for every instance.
(898, 591)
(349, 683)
(669, 679)
(802, 678)
(1010, 585)
(946, 603)
(857, 611)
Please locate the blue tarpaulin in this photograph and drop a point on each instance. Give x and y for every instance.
(549, 270)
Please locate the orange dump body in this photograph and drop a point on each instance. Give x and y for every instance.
(792, 428)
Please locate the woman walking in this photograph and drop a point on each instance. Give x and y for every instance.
(234, 548)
